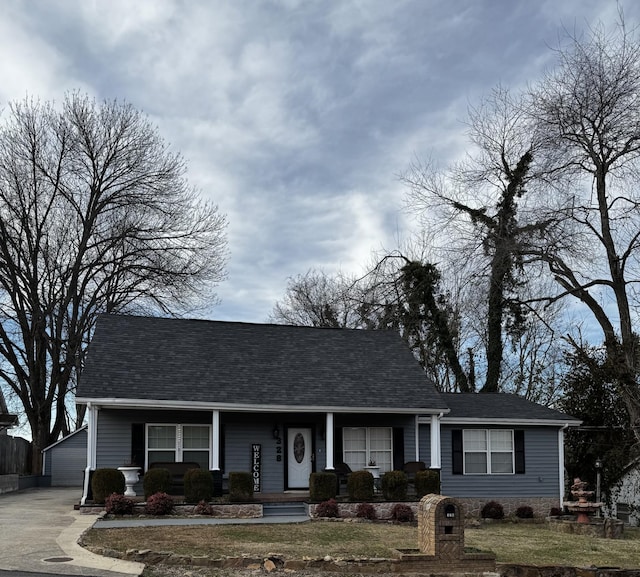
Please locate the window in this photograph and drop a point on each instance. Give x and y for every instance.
(488, 451)
(179, 443)
(361, 445)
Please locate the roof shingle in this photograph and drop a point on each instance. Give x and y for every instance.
(150, 358)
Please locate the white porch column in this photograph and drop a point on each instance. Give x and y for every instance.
(417, 432)
(92, 444)
(328, 436)
(561, 462)
(215, 441)
(436, 462)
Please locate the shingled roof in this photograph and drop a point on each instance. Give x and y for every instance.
(140, 360)
(496, 407)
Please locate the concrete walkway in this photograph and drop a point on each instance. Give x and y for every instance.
(39, 532)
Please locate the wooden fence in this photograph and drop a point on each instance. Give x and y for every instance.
(15, 456)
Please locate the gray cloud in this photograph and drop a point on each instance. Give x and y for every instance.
(295, 116)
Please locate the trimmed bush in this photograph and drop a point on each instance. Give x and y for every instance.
(366, 511)
(156, 481)
(322, 486)
(328, 509)
(240, 487)
(427, 483)
(492, 510)
(203, 508)
(117, 504)
(394, 485)
(360, 486)
(555, 512)
(106, 481)
(159, 504)
(401, 513)
(198, 485)
(524, 512)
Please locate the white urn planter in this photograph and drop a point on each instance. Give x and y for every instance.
(131, 477)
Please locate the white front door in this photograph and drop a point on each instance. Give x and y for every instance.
(299, 457)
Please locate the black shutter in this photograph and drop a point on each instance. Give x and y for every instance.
(398, 448)
(338, 457)
(518, 441)
(457, 454)
(137, 444)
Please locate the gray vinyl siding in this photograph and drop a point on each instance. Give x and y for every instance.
(114, 431)
(67, 460)
(239, 439)
(404, 422)
(239, 432)
(541, 477)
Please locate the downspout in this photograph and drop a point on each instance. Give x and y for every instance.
(417, 432)
(92, 429)
(561, 461)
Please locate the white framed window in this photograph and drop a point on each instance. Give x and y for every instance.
(178, 443)
(362, 445)
(488, 451)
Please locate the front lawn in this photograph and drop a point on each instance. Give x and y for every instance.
(513, 543)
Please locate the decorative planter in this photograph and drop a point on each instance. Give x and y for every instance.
(131, 477)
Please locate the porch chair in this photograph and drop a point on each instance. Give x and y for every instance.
(342, 471)
(410, 469)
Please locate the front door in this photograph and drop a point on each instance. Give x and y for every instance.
(299, 457)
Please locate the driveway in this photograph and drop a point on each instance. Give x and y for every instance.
(39, 529)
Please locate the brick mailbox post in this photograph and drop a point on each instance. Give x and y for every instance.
(441, 541)
(441, 527)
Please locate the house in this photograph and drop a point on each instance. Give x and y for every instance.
(284, 401)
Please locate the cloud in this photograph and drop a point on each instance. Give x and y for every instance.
(295, 117)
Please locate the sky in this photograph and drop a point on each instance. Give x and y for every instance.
(295, 117)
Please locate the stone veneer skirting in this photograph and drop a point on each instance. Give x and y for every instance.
(231, 511)
(348, 510)
(540, 505)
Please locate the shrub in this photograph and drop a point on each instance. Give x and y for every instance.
(198, 485)
(203, 508)
(322, 486)
(366, 511)
(240, 486)
(117, 504)
(401, 513)
(360, 486)
(106, 481)
(394, 485)
(492, 510)
(328, 509)
(159, 504)
(156, 481)
(524, 512)
(555, 512)
(427, 482)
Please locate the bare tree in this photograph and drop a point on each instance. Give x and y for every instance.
(587, 108)
(95, 216)
(317, 299)
(484, 213)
